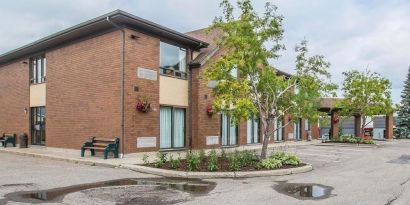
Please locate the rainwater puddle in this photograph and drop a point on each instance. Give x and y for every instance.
(304, 191)
(403, 159)
(193, 187)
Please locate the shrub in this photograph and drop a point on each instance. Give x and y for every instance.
(175, 163)
(193, 160)
(247, 158)
(286, 158)
(234, 162)
(223, 154)
(161, 159)
(202, 154)
(368, 142)
(270, 163)
(145, 159)
(213, 161)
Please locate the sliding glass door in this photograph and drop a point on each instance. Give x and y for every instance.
(172, 127)
(229, 131)
(252, 131)
(278, 135)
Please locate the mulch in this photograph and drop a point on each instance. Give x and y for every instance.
(223, 166)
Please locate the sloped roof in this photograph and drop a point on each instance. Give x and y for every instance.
(207, 53)
(100, 24)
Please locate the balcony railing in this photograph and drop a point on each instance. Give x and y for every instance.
(173, 73)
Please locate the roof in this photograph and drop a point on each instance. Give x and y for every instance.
(100, 24)
(207, 53)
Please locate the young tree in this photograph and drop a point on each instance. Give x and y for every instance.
(249, 42)
(403, 117)
(365, 94)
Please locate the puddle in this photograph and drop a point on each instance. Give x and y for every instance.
(403, 159)
(304, 191)
(193, 187)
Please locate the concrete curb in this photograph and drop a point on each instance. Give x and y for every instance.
(213, 175)
(169, 173)
(348, 145)
(58, 158)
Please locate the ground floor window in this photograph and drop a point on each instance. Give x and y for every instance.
(229, 131)
(38, 125)
(172, 127)
(252, 128)
(278, 135)
(296, 129)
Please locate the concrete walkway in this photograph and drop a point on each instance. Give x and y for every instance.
(72, 155)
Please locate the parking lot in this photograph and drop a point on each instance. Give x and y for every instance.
(350, 174)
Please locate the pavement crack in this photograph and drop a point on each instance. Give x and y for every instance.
(391, 200)
(405, 182)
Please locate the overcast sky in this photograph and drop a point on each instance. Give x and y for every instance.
(352, 34)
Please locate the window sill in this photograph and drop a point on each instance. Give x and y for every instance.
(229, 146)
(253, 144)
(37, 83)
(172, 76)
(172, 149)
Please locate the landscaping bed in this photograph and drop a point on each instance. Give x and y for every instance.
(348, 139)
(212, 162)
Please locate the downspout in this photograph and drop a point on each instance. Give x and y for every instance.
(122, 85)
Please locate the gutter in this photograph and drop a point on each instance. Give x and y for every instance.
(122, 84)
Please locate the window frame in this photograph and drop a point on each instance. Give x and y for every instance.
(170, 72)
(36, 71)
(228, 133)
(172, 127)
(253, 137)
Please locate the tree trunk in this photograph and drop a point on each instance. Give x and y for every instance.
(363, 125)
(267, 125)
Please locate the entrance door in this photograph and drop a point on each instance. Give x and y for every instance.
(38, 125)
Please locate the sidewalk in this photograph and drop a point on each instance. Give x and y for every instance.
(128, 160)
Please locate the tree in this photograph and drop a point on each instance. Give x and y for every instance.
(403, 116)
(249, 42)
(366, 94)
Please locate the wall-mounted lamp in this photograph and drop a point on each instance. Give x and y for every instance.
(133, 36)
(25, 111)
(25, 62)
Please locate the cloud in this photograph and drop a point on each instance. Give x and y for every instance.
(352, 34)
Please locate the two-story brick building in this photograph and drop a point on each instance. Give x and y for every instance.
(87, 80)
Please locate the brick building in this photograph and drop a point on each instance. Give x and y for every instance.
(87, 80)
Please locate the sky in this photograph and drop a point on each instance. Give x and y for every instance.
(351, 34)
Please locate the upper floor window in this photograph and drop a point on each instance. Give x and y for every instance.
(173, 60)
(38, 69)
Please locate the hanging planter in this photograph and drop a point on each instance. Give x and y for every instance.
(143, 105)
(209, 110)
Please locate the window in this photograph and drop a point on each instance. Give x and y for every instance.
(296, 130)
(229, 131)
(252, 129)
(172, 127)
(173, 60)
(307, 125)
(279, 130)
(38, 70)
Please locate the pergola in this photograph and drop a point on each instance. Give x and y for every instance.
(328, 106)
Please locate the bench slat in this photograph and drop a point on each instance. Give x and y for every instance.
(97, 148)
(100, 144)
(104, 139)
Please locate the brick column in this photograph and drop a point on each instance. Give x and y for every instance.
(334, 125)
(357, 125)
(389, 127)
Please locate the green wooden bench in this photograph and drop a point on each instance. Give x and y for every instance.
(8, 138)
(101, 144)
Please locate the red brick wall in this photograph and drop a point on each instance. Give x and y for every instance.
(14, 97)
(83, 91)
(141, 52)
